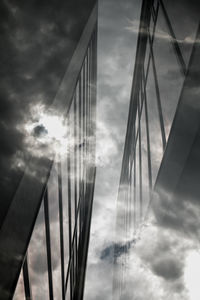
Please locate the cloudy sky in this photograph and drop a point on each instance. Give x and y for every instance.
(163, 262)
(116, 56)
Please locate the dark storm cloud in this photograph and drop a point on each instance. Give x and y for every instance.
(107, 253)
(175, 214)
(168, 268)
(37, 42)
(112, 252)
(37, 255)
(40, 130)
(39, 262)
(12, 144)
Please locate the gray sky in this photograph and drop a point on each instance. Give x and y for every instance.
(165, 261)
(116, 55)
(167, 253)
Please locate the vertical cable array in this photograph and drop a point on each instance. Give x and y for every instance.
(135, 188)
(78, 166)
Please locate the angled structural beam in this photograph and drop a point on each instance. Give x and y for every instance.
(174, 40)
(83, 251)
(185, 126)
(90, 178)
(130, 141)
(61, 229)
(178, 162)
(48, 244)
(19, 222)
(139, 59)
(27, 285)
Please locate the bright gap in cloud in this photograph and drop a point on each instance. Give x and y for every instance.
(54, 126)
(47, 128)
(192, 274)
